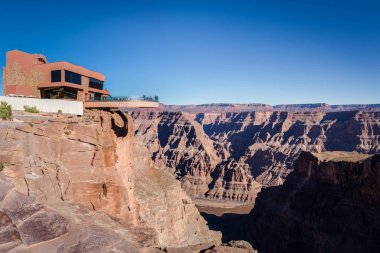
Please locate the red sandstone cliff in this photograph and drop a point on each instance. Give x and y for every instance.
(67, 165)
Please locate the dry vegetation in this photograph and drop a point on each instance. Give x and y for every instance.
(5, 111)
(31, 109)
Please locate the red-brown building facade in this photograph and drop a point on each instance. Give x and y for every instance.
(31, 75)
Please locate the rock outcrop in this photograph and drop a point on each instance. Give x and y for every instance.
(164, 207)
(93, 162)
(231, 155)
(30, 226)
(329, 203)
(83, 161)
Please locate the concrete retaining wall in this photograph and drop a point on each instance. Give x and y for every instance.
(45, 105)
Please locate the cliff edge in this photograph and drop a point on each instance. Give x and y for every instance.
(329, 203)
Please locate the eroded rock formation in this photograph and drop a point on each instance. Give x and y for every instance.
(329, 203)
(94, 163)
(30, 226)
(178, 144)
(230, 155)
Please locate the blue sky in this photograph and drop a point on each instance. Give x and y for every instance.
(186, 52)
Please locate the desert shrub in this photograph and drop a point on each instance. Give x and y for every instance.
(59, 111)
(31, 109)
(1, 166)
(5, 110)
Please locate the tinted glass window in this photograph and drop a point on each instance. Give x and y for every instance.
(96, 84)
(55, 76)
(72, 77)
(60, 93)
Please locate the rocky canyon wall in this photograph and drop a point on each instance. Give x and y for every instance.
(329, 203)
(232, 155)
(83, 161)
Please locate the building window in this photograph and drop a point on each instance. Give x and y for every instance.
(55, 76)
(72, 77)
(96, 84)
(60, 93)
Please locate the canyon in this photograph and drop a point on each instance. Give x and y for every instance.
(231, 156)
(136, 181)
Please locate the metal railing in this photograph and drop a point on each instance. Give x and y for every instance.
(125, 98)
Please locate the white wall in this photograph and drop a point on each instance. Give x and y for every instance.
(45, 105)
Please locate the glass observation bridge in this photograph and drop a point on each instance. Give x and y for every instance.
(126, 98)
(122, 102)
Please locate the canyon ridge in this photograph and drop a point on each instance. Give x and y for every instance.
(229, 154)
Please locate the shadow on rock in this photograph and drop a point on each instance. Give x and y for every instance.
(232, 226)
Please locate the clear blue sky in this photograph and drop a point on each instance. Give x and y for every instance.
(210, 51)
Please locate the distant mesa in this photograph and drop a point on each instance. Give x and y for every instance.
(250, 107)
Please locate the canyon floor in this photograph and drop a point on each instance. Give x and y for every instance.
(220, 207)
(228, 217)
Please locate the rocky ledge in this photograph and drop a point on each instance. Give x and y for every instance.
(329, 203)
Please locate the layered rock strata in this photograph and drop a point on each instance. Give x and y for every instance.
(231, 155)
(329, 203)
(178, 144)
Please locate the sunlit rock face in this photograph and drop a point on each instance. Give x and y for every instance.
(81, 161)
(28, 225)
(231, 155)
(93, 162)
(329, 203)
